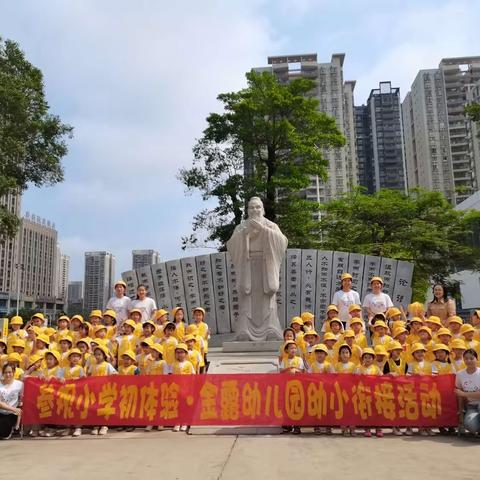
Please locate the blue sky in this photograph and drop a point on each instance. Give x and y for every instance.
(137, 78)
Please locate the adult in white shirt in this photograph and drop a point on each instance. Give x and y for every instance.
(377, 301)
(11, 391)
(345, 297)
(467, 385)
(120, 303)
(145, 304)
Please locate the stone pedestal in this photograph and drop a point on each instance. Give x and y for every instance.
(257, 347)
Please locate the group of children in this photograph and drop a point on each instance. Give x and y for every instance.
(98, 347)
(391, 344)
(399, 345)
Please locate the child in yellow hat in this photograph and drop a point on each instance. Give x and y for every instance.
(425, 335)
(457, 348)
(178, 315)
(454, 324)
(345, 365)
(127, 340)
(18, 346)
(442, 364)
(73, 372)
(332, 312)
(193, 355)
(292, 364)
(15, 359)
(202, 329)
(321, 363)
(349, 339)
(161, 319)
(311, 339)
(380, 336)
(110, 321)
(65, 343)
(355, 313)
(468, 332)
(356, 324)
(144, 358)
(128, 366)
(288, 335)
(368, 367)
(381, 356)
(336, 328)
(136, 315)
(414, 324)
(101, 368)
(158, 366)
(297, 325)
(169, 343)
(420, 366)
(75, 323)
(84, 346)
(182, 366)
(329, 340)
(308, 320)
(396, 364)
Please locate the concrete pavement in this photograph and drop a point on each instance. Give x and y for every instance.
(169, 455)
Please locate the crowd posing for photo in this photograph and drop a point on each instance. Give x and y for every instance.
(135, 338)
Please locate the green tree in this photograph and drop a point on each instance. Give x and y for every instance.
(32, 141)
(473, 111)
(276, 133)
(421, 227)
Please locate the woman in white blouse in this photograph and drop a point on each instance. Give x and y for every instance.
(345, 297)
(11, 391)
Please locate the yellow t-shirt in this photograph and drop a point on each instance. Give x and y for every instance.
(361, 340)
(324, 367)
(169, 345)
(196, 359)
(158, 367)
(203, 332)
(396, 369)
(143, 361)
(348, 367)
(72, 373)
(49, 373)
(179, 332)
(420, 368)
(183, 368)
(443, 368)
(295, 362)
(127, 370)
(371, 370)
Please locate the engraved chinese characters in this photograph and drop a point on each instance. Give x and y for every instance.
(257, 248)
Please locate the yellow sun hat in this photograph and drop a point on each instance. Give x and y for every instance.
(55, 353)
(380, 350)
(74, 350)
(394, 346)
(297, 320)
(466, 328)
(416, 347)
(455, 319)
(320, 348)
(441, 346)
(181, 346)
(368, 350)
(329, 336)
(157, 347)
(129, 354)
(307, 316)
(16, 320)
(458, 343)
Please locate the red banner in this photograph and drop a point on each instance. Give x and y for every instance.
(244, 399)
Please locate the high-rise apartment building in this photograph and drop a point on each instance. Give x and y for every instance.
(459, 75)
(75, 297)
(380, 149)
(363, 133)
(9, 246)
(38, 258)
(99, 279)
(142, 258)
(441, 153)
(63, 269)
(336, 99)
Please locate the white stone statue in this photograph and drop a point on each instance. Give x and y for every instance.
(257, 248)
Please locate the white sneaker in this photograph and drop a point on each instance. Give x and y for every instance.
(49, 433)
(103, 431)
(149, 428)
(77, 432)
(397, 432)
(95, 431)
(176, 428)
(183, 428)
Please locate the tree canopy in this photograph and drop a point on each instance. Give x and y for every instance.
(32, 141)
(276, 135)
(421, 227)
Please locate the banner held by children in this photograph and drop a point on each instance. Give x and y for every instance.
(244, 399)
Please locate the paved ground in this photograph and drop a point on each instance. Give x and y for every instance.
(169, 455)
